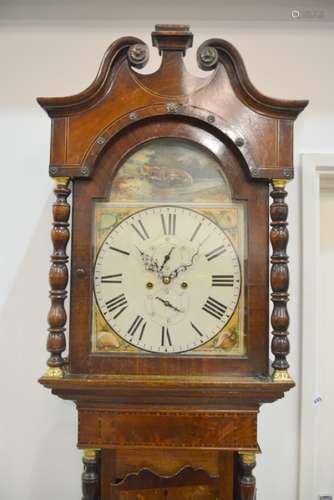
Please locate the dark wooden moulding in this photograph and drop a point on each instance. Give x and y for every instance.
(169, 423)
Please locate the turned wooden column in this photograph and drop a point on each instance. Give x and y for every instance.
(279, 236)
(246, 480)
(91, 475)
(58, 278)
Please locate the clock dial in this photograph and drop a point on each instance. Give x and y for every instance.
(167, 279)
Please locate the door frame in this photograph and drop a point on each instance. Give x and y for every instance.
(316, 169)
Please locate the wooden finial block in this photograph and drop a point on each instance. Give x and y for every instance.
(172, 37)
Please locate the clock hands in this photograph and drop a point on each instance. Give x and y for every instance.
(151, 264)
(168, 304)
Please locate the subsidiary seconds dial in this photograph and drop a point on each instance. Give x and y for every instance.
(167, 279)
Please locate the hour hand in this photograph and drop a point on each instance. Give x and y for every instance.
(166, 259)
(168, 304)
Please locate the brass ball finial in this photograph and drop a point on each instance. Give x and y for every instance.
(138, 55)
(207, 57)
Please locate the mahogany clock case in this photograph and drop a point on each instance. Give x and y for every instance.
(133, 407)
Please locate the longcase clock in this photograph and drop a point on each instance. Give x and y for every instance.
(168, 331)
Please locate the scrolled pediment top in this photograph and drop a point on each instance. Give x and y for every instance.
(172, 78)
(218, 51)
(131, 48)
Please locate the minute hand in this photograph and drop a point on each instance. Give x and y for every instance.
(183, 267)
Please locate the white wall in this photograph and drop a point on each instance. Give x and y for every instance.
(48, 57)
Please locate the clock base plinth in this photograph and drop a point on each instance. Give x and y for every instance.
(165, 434)
(171, 453)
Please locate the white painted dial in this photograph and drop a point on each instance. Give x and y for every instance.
(167, 279)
